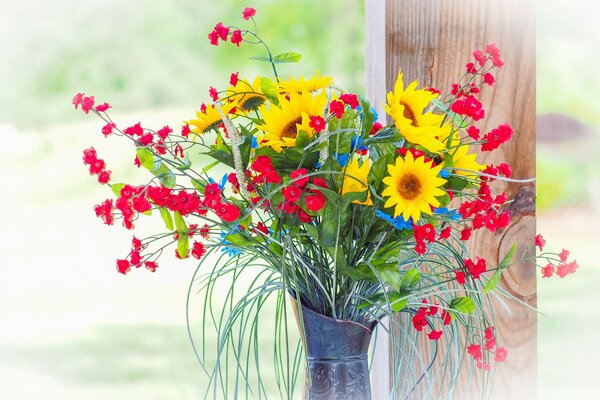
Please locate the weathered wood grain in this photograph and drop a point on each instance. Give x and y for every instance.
(431, 40)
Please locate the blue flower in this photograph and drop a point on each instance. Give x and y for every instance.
(398, 222)
(444, 173)
(441, 210)
(231, 251)
(223, 181)
(357, 143)
(454, 215)
(375, 114)
(254, 144)
(343, 159)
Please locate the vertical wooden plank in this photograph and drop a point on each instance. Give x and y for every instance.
(375, 70)
(431, 41)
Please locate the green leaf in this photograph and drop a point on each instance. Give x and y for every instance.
(146, 158)
(183, 244)
(368, 118)
(116, 188)
(493, 282)
(456, 183)
(302, 139)
(187, 163)
(351, 196)
(210, 166)
(289, 57)
(165, 175)
(462, 304)
(260, 58)
(269, 89)
(276, 248)
(410, 279)
(179, 222)
(166, 216)
(239, 240)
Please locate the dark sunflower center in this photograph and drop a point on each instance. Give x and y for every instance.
(408, 113)
(290, 130)
(253, 103)
(409, 187)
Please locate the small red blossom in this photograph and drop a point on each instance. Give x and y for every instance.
(315, 202)
(123, 266)
(433, 90)
(233, 79)
(261, 228)
(151, 265)
(337, 108)
(480, 57)
(248, 13)
(77, 99)
(300, 173)
(565, 269)
(471, 69)
(376, 128)
(198, 250)
(548, 271)
(421, 248)
(468, 106)
(214, 95)
(317, 123)
(563, 255)
(419, 320)
(488, 79)
(291, 193)
(228, 212)
(108, 128)
(164, 132)
(213, 38)
(474, 351)
(434, 335)
(494, 53)
(102, 107)
(473, 132)
(350, 99)
(496, 137)
(236, 37)
(135, 130)
(460, 277)
(185, 130)
(445, 233)
(221, 30)
(476, 268)
(540, 241)
(501, 353)
(104, 177)
(87, 103)
(146, 139)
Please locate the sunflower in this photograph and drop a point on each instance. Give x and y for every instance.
(406, 107)
(249, 97)
(356, 179)
(412, 187)
(209, 118)
(300, 85)
(282, 123)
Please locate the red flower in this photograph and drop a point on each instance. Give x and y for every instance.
(315, 202)
(214, 95)
(123, 266)
(471, 69)
(320, 182)
(164, 132)
(419, 320)
(445, 233)
(213, 38)
(135, 259)
(337, 108)
(146, 139)
(102, 107)
(105, 211)
(248, 13)
(488, 78)
(135, 130)
(350, 99)
(141, 204)
(493, 51)
(460, 277)
(548, 271)
(198, 250)
(446, 317)
(473, 131)
(151, 266)
(262, 228)
(434, 335)
(87, 103)
(222, 31)
(501, 353)
(496, 137)
(433, 90)
(420, 248)
(77, 100)
(89, 156)
(228, 212)
(291, 193)
(185, 130)
(233, 79)
(476, 268)
(108, 128)
(480, 57)
(317, 123)
(469, 106)
(424, 232)
(375, 128)
(475, 351)
(304, 217)
(540, 241)
(297, 174)
(564, 254)
(236, 37)
(97, 167)
(566, 269)
(104, 177)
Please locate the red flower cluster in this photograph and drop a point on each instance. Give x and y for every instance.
(313, 198)
(423, 233)
(484, 211)
(496, 137)
(420, 321)
(562, 268)
(221, 32)
(337, 108)
(97, 165)
(350, 99)
(468, 106)
(86, 102)
(266, 173)
(317, 123)
(228, 212)
(476, 350)
(104, 211)
(248, 13)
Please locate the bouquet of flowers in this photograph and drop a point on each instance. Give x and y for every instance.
(337, 216)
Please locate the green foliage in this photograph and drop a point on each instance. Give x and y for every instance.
(493, 282)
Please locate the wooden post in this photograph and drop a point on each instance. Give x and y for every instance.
(431, 40)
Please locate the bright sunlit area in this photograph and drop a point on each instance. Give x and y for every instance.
(71, 327)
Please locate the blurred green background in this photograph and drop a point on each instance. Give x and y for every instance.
(72, 328)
